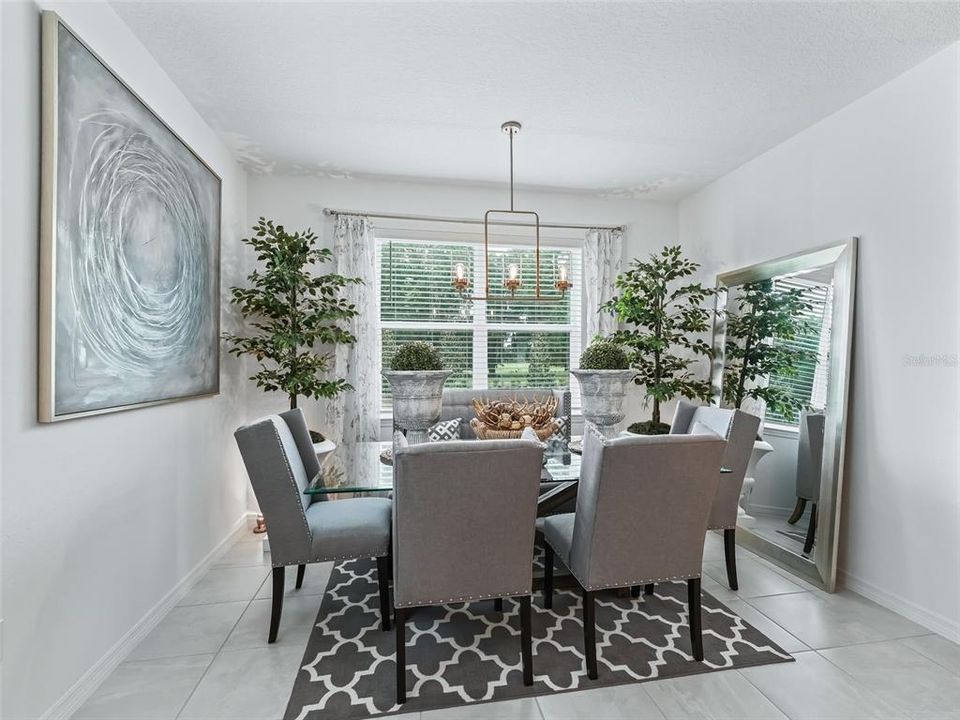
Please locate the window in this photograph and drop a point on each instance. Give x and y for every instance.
(809, 384)
(487, 344)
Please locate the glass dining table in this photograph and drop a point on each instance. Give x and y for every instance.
(367, 467)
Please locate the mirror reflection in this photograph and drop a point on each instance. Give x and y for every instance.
(782, 349)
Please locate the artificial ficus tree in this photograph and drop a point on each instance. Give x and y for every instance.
(665, 320)
(761, 328)
(291, 311)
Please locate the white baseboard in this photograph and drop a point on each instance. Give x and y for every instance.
(81, 690)
(937, 623)
(770, 510)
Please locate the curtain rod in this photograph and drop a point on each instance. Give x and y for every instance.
(466, 221)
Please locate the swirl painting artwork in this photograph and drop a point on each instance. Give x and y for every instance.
(130, 247)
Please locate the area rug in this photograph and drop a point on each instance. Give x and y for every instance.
(469, 653)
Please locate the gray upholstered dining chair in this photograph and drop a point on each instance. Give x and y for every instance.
(809, 469)
(642, 508)
(463, 527)
(740, 430)
(280, 461)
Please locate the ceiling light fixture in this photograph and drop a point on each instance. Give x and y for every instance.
(513, 279)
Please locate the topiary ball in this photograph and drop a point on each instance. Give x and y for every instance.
(604, 355)
(417, 356)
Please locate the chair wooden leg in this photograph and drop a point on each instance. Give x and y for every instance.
(648, 588)
(730, 554)
(383, 581)
(498, 605)
(301, 569)
(547, 576)
(526, 639)
(798, 510)
(400, 621)
(635, 591)
(590, 633)
(696, 633)
(811, 531)
(277, 609)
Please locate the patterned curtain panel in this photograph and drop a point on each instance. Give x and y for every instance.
(602, 259)
(355, 414)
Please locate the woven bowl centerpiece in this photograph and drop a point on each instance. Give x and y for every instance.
(506, 419)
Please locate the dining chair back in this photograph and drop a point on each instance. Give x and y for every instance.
(740, 431)
(809, 471)
(464, 517)
(280, 460)
(641, 503)
(642, 508)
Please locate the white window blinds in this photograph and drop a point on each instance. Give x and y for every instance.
(487, 344)
(809, 383)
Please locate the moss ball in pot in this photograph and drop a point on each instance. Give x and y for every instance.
(416, 378)
(604, 375)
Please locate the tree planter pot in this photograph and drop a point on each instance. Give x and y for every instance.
(601, 396)
(417, 400)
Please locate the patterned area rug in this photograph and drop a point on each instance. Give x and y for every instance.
(468, 653)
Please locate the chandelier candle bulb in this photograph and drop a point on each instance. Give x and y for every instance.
(563, 278)
(460, 280)
(513, 282)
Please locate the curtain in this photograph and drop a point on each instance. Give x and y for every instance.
(602, 259)
(354, 415)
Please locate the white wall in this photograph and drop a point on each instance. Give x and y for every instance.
(298, 202)
(885, 168)
(102, 517)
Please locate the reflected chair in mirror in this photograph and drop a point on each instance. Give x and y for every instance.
(642, 508)
(463, 526)
(740, 430)
(278, 454)
(809, 469)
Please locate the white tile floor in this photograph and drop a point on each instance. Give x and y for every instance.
(209, 657)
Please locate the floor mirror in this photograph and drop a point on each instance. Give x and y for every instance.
(782, 350)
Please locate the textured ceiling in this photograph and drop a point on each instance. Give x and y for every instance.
(618, 99)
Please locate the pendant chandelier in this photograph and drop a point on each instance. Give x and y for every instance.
(512, 279)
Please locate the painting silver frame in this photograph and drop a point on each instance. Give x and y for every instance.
(843, 256)
(51, 23)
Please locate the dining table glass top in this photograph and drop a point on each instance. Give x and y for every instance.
(367, 467)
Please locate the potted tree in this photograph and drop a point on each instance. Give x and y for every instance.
(761, 323)
(291, 310)
(603, 375)
(665, 320)
(416, 378)
(759, 329)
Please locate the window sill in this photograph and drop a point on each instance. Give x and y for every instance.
(782, 431)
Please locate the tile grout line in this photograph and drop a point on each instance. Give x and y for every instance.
(663, 711)
(861, 686)
(212, 661)
(873, 642)
(764, 695)
(928, 657)
(219, 649)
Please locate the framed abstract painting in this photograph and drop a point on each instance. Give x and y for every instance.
(129, 247)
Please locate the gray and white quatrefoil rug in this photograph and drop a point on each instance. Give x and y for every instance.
(469, 653)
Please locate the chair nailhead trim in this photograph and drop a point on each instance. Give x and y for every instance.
(467, 598)
(621, 584)
(286, 462)
(378, 553)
